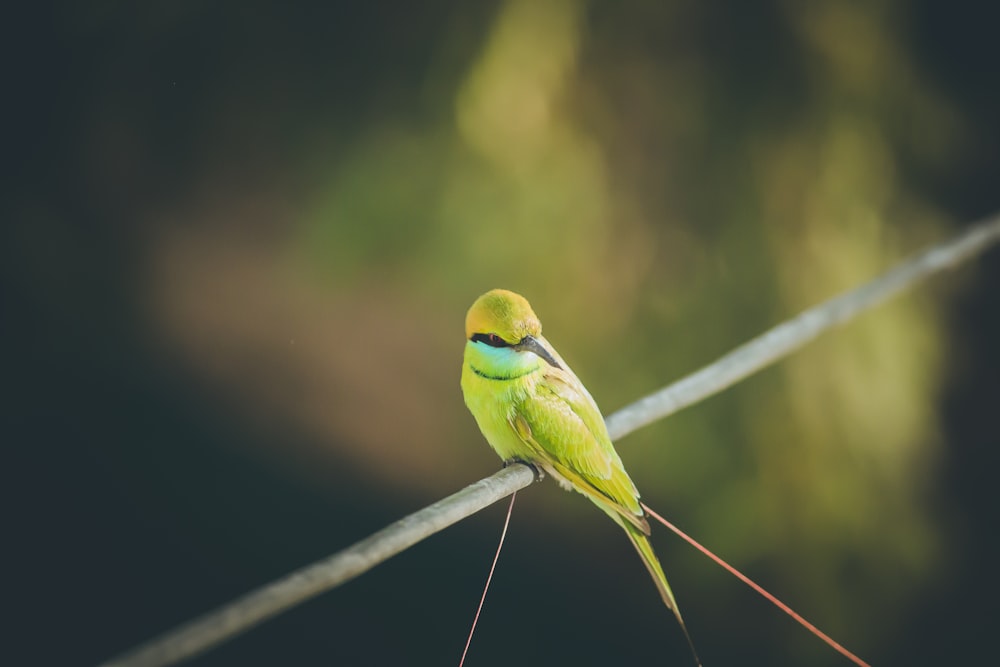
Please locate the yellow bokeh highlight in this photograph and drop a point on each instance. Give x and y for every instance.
(508, 106)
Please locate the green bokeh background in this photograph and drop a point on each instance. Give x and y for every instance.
(239, 241)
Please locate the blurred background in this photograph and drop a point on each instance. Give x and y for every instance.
(239, 241)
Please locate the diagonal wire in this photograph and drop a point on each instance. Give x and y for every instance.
(271, 599)
(759, 589)
(489, 579)
(792, 334)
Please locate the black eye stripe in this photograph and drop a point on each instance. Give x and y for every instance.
(490, 339)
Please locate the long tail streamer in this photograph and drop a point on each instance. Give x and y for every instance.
(503, 534)
(746, 580)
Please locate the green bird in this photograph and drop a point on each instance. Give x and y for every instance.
(532, 408)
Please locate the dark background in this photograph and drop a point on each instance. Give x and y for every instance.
(152, 474)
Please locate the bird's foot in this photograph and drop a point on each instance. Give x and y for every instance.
(539, 474)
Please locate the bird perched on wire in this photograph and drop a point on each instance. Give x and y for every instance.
(532, 408)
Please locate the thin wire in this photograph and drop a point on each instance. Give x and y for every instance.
(785, 338)
(746, 580)
(503, 534)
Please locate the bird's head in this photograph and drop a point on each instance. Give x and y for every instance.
(504, 315)
(504, 319)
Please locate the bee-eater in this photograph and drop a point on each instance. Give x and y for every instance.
(532, 408)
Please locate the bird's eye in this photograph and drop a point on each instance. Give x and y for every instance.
(490, 339)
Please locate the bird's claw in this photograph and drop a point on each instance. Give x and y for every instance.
(539, 474)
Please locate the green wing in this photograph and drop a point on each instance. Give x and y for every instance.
(560, 422)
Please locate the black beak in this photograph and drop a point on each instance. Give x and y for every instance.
(532, 344)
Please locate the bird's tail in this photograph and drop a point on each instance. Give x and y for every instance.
(649, 559)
